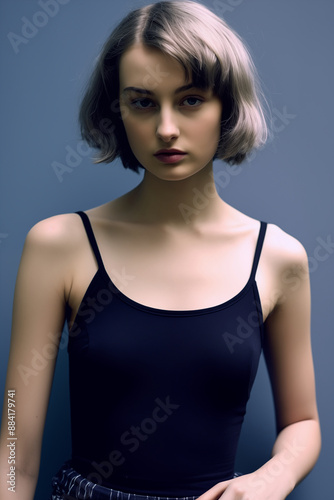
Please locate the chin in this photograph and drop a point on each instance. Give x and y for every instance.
(174, 173)
(174, 176)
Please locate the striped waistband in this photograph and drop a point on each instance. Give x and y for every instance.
(68, 484)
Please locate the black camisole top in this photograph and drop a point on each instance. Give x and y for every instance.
(158, 396)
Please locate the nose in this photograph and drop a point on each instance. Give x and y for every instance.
(167, 127)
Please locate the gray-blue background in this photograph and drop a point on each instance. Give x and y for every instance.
(289, 183)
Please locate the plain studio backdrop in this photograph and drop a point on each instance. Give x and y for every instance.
(48, 48)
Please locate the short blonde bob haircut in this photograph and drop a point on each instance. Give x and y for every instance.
(210, 52)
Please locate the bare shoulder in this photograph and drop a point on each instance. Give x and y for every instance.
(59, 232)
(285, 259)
(51, 250)
(283, 249)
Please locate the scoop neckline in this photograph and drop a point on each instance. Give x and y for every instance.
(175, 312)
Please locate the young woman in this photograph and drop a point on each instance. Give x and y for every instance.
(170, 293)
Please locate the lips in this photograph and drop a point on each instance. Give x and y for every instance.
(170, 155)
(169, 151)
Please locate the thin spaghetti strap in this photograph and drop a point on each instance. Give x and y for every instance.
(258, 249)
(91, 238)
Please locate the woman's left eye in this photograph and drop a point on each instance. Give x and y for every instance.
(192, 101)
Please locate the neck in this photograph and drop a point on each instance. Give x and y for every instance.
(188, 202)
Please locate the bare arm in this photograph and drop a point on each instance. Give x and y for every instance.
(289, 359)
(287, 349)
(38, 319)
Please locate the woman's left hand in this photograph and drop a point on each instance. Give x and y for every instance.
(248, 487)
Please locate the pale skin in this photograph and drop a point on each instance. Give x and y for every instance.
(144, 237)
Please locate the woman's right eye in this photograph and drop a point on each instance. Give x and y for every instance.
(143, 103)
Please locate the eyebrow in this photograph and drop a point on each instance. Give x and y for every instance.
(149, 92)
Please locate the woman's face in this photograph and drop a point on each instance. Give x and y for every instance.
(162, 111)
